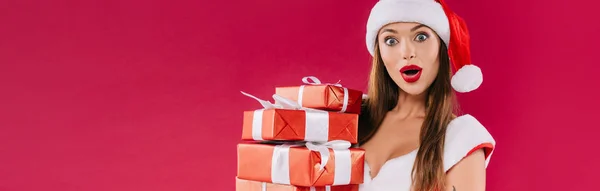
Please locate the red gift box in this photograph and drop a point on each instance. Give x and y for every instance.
(299, 125)
(300, 166)
(287, 121)
(330, 97)
(248, 185)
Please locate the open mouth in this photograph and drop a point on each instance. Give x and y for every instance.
(411, 73)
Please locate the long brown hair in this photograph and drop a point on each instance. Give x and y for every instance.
(428, 170)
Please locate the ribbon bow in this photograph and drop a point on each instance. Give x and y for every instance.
(323, 149)
(280, 103)
(316, 81)
(280, 166)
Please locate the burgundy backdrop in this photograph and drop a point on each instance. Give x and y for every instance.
(144, 95)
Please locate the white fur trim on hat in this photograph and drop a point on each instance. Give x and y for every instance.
(467, 78)
(427, 12)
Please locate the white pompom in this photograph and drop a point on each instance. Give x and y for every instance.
(467, 78)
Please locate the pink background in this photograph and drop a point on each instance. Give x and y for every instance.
(144, 95)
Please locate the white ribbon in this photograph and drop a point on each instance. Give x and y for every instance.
(312, 188)
(257, 125)
(280, 166)
(280, 103)
(265, 104)
(316, 122)
(316, 81)
(323, 149)
(327, 188)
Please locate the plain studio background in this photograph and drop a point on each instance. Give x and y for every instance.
(144, 95)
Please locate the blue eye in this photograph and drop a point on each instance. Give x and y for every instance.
(421, 37)
(390, 41)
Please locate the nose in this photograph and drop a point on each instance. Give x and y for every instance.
(407, 50)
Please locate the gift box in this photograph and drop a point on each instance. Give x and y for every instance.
(330, 97)
(330, 164)
(248, 185)
(285, 120)
(299, 125)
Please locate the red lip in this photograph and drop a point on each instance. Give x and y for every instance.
(412, 77)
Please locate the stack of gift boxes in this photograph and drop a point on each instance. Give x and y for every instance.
(304, 141)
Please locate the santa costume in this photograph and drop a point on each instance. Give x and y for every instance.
(464, 134)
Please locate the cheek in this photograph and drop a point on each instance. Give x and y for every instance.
(388, 56)
(430, 59)
(432, 53)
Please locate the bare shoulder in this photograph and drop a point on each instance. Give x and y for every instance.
(468, 174)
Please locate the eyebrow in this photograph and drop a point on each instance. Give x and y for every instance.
(389, 30)
(396, 32)
(417, 27)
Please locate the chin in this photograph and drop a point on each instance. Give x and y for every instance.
(417, 88)
(413, 90)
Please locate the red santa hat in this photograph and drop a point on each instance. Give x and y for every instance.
(436, 15)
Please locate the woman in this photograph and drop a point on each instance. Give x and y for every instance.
(408, 128)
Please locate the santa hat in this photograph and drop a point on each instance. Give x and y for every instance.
(436, 15)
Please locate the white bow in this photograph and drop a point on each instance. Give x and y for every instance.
(316, 81)
(280, 103)
(323, 149)
(280, 161)
(312, 188)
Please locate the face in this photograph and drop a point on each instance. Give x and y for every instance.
(410, 54)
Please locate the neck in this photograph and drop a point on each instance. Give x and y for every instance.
(410, 105)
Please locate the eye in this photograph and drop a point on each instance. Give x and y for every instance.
(421, 37)
(390, 41)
